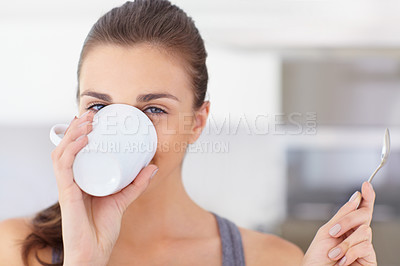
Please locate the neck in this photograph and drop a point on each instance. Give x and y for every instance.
(164, 211)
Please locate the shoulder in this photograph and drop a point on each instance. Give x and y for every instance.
(13, 232)
(266, 249)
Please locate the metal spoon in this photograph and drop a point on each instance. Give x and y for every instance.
(385, 153)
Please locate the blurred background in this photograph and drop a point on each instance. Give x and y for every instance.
(301, 93)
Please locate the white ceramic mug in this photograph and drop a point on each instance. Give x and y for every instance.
(122, 142)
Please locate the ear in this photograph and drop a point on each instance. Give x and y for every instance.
(200, 121)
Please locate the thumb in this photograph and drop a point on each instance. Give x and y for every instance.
(368, 197)
(368, 194)
(131, 192)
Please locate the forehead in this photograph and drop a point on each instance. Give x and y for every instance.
(127, 71)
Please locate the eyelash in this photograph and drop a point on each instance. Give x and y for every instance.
(90, 106)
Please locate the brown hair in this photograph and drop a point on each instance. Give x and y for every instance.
(158, 23)
(155, 22)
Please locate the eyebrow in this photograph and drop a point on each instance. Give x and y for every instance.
(151, 96)
(101, 96)
(140, 98)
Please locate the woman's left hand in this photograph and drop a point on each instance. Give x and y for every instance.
(347, 238)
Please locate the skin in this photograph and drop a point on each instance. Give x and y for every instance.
(154, 221)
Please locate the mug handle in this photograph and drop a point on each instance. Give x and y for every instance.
(57, 133)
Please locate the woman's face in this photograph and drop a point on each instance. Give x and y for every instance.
(147, 78)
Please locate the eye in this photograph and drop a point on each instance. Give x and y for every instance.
(155, 110)
(97, 106)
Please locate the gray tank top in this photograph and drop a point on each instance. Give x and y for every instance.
(232, 247)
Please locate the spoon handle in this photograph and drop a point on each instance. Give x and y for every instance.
(374, 173)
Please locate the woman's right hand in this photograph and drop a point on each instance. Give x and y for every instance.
(90, 225)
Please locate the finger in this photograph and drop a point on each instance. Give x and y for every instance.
(64, 177)
(362, 234)
(68, 157)
(127, 195)
(363, 252)
(77, 128)
(352, 220)
(78, 125)
(368, 197)
(348, 207)
(57, 152)
(69, 125)
(77, 133)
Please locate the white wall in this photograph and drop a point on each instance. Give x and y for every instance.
(41, 41)
(246, 183)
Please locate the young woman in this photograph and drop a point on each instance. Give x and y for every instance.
(150, 55)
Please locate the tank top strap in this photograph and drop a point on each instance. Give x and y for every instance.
(232, 247)
(55, 255)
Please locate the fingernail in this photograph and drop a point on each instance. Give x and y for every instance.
(354, 196)
(335, 230)
(154, 172)
(334, 253)
(80, 137)
(342, 261)
(85, 113)
(84, 123)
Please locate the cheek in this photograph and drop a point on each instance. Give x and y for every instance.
(172, 138)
